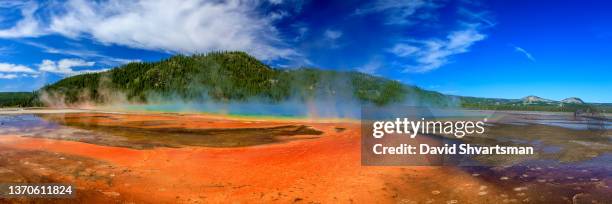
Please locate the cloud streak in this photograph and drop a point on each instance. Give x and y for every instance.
(8, 76)
(12, 71)
(396, 12)
(431, 54)
(333, 34)
(482, 16)
(524, 52)
(424, 55)
(64, 66)
(15, 68)
(191, 26)
(27, 26)
(371, 67)
(89, 54)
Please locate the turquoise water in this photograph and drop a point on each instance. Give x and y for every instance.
(285, 109)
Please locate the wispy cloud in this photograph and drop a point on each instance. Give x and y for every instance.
(5, 50)
(8, 76)
(482, 16)
(433, 53)
(64, 66)
(404, 50)
(521, 50)
(189, 27)
(87, 54)
(12, 71)
(423, 55)
(332, 38)
(397, 12)
(300, 30)
(27, 26)
(371, 67)
(8, 67)
(333, 34)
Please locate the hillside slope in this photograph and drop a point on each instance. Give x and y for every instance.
(237, 77)
(18, 99)
(534, 103)
(231, 76)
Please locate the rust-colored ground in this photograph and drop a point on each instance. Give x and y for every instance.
(322, 170)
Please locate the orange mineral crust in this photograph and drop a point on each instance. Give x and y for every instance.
(325, 169)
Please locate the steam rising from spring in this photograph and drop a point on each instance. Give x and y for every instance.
(202, 83)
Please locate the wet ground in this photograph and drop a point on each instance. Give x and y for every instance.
(115, 130)
(113, 157)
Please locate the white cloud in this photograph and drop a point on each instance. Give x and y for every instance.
(274, 16)
(100, 58)
(371, 67)
(7, 67)
(64, 66)
(425, 55)
(7, 76)
(191, 26)
(11, 4)
(27, 26)
(5, 50)
(527, 54)
(331, 38)
(482, 16)
(332, 34)
(301, 30)
(404, 50)
(11, 71)
(434, 53)
(397, 12)
(276, 1)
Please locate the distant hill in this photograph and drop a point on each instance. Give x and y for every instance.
(534, 103)
(18, 99)
(535, 99)
(573, 100)
(231, 76)
(236, 76)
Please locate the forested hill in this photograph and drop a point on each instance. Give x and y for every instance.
(232, 76)
(236, 76)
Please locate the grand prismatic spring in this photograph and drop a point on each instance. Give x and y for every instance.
(306, 101)
(199, 158)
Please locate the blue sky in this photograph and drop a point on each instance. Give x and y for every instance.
(502, 49)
